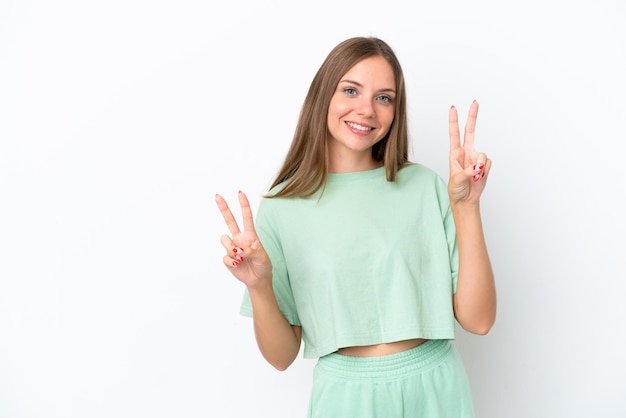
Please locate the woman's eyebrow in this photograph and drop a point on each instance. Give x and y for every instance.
(356, 83)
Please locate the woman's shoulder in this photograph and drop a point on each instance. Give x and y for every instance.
(275, 189)
(425, 182)
(412, 170)
(270, 200)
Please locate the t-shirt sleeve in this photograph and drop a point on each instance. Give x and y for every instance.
(452, 247)
(268, 231)
(450, 231)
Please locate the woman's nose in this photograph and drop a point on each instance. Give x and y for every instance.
(365, 108)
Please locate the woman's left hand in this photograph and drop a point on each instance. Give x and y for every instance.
(468, 168)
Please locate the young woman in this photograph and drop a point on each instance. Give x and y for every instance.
(365, 256)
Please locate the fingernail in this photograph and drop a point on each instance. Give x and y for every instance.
(235, 263)
(237, 250)
(476, 178)
(239, 258)
(478, 167)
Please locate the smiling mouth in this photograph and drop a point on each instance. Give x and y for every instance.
(359, 127)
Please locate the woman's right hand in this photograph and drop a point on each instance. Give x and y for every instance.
(245, 256)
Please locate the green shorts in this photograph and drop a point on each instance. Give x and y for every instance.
(426, 381)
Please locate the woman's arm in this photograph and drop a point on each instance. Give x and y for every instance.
(247, 260)
(475, 298)
(278, 340)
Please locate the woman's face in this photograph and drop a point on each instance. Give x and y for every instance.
(361, 110)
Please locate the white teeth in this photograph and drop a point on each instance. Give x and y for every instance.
(359, 127)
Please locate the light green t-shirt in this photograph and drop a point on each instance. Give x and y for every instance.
(369, 262)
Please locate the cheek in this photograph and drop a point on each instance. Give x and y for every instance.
(337, 108)
(385, 118)
(388, 116)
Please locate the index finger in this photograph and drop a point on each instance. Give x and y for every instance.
(227, 214)
(455, 135)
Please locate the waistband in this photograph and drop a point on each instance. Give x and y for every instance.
(414, 360)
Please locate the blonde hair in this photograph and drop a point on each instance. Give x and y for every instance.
(305, 168)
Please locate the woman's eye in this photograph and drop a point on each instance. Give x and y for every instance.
(349, 91)
(385, 99)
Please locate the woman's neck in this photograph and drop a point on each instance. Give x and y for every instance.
(350, 165)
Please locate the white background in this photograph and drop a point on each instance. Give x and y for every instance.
(120, 120)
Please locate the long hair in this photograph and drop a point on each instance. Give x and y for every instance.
(305, 168)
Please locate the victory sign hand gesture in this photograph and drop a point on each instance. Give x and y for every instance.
(245, 256)
(468, 168)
